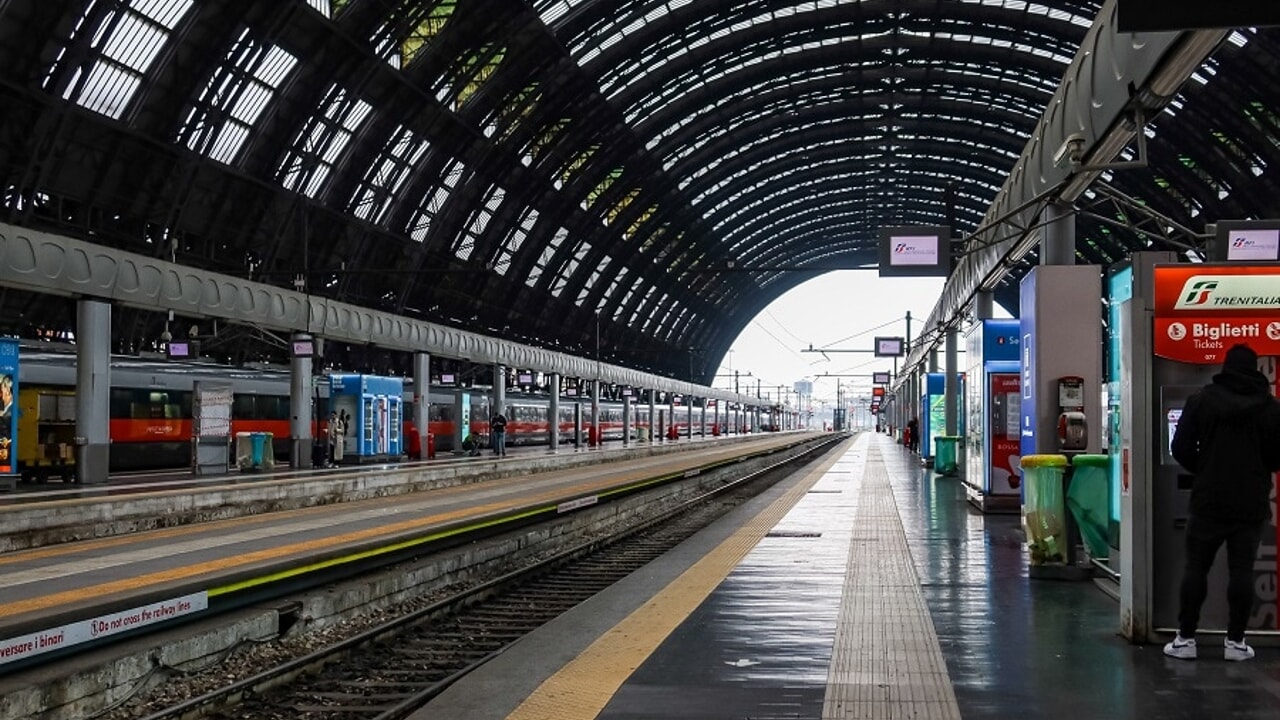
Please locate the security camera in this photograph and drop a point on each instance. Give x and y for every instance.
(1071, 152)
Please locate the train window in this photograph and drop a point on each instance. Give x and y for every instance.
(242, 407)
(121, 403)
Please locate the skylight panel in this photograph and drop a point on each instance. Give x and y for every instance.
(124, 46)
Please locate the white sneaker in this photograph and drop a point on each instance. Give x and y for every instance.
(1181, 648)
(1237, 651)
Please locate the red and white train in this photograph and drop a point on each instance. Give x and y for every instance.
(151, 413)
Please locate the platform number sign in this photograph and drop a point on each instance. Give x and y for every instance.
(8, 406)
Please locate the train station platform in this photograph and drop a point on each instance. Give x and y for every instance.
(868, 588)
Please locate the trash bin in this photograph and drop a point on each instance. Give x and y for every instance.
(944, 458)
(244, 450)
(1089, 500)
(1043, 510)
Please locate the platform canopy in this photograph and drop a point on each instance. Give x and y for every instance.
(635, 179)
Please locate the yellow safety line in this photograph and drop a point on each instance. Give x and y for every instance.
(580, 689)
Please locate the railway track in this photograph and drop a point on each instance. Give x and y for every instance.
(389, 671)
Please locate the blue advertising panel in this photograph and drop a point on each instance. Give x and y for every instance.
(8, 408)
(1119, 291)
(1027, 344)
(1000, 340)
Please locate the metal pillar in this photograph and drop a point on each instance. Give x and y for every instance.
(595, 412)
(950, 386)
(984, 302)
(653, 425)
(704, 417)
(422, 399)
(1058, 246)
(300, 440)
(688, 433)
(553, 415)
(626, 421)
(93, 390)
(499, 389)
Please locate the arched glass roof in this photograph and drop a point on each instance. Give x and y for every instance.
(659, 170)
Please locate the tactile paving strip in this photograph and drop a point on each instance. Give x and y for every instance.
(886, 662)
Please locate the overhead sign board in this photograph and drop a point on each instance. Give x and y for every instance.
(1201, 310)
(915, 251)
(880, 378)
(1165, 16)
(1247, 241)
(890, 347)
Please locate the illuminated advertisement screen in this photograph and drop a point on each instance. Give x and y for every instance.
(880, 378)
(525, 378)
(1247, 241)
(915, 251)
(8, 406)
(890, 347)
(179, 350)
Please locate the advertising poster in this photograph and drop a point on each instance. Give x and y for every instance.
(1006, 478)
(8, 406)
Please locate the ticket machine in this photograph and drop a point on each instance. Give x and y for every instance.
(1173, 326)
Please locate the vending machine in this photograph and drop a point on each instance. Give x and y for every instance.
(1175, 323)
(993, 477)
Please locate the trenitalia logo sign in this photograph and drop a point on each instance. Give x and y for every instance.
(1202, 310)
(1229, 293)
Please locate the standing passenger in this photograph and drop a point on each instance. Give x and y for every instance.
(330, 438)
(498, 430)
(1227, 437)
(339, 437)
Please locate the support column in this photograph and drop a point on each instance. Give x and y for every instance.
(704, 416)
(653, 418)
(626, 421)
(1058, 246)
(422, 400)
(499, 390)
(553, 415)
(951, 386)
(984, 302)
(595, 412)
(300, 440)
(93, 390)
(688, 433)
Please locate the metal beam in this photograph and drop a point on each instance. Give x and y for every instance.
(58, 265)
(1112, 74)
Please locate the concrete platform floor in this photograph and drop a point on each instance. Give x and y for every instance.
(682, 639)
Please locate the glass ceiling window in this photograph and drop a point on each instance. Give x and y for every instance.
(388, 174)
(570, 267)
(411, 28)
(469, 75)
(321, 142)
(542, 265)
(479, 222)
(515, 240)
(121, 51)
(328, 8)
(592, 279)
(220, 119)
(434, 202)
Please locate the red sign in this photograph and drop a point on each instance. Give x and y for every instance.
(1201, 310)
(877, 391)
(1006, 441)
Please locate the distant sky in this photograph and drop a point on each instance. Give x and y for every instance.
(842, 310)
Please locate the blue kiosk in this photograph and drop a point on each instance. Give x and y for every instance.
(993, 478)
(375, 416)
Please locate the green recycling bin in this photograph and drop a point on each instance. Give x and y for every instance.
(1044, 514)
(1089, 500)
(945, 453)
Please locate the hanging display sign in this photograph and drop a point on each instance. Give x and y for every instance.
(1201, 310)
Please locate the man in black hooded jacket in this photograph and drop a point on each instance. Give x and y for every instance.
(1228, 437)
